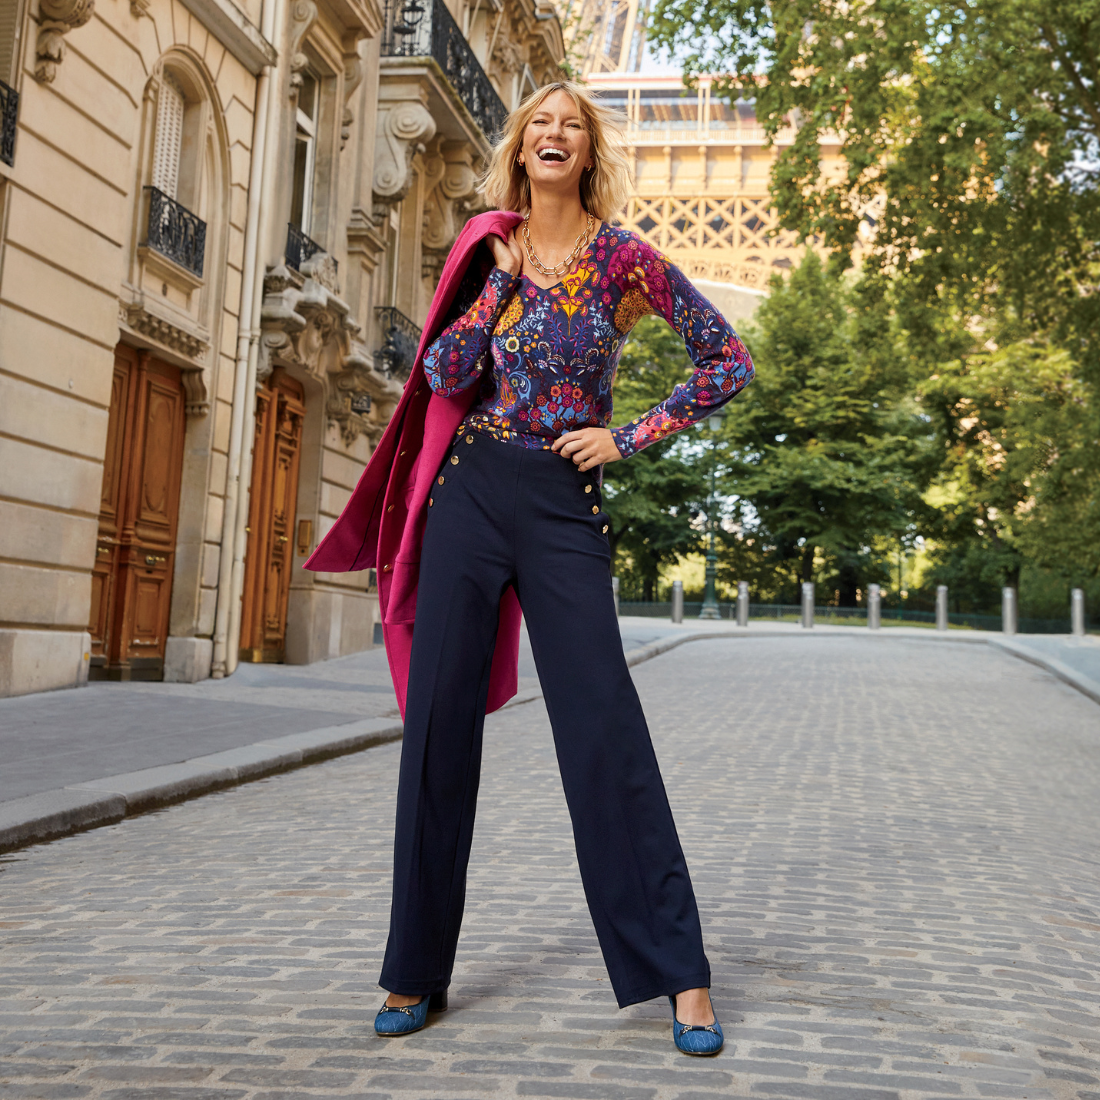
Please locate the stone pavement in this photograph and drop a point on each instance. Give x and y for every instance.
(75, 760)
(895, 847)
(56, 738)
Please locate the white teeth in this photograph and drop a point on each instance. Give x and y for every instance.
(553, 154)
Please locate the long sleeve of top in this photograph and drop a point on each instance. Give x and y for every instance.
(455, 361)
(546, 358)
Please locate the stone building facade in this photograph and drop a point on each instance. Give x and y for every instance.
(221, 222)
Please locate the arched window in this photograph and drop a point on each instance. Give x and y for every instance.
(176, 228)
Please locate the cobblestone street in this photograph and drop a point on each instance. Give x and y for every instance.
(895, 844)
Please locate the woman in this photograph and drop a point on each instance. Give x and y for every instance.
(537, 332)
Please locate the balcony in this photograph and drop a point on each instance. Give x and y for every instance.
(300, 248)
(9, 115)
(175, 232)
(425, 29)
(402, 337)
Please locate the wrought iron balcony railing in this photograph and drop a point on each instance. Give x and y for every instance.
(300, 248)
(402, 338)
(424, 28)
(175, 232)
(9, 114)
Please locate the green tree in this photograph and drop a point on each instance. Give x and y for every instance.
(1018, 481)
(652, 498)
(829, 451)
(968, 132)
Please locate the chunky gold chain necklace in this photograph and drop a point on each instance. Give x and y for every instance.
(559, 269)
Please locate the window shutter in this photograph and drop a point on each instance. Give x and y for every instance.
(169, 136)
(9, 15)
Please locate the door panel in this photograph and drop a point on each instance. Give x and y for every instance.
(280, 410)
(132, 578)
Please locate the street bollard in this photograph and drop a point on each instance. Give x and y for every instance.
(615, 590)
(1008, 610)
(677, 601)
(941, 606)
(742, 603)
(874, 607)
(807, 604)
(1077, 611)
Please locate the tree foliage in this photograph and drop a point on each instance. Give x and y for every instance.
(969, 128)
(1018, 474)
(653, 497)
(830, 450)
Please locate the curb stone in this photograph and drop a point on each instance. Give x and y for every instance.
(53, 814)
(57, 813)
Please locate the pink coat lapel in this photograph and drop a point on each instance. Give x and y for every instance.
(382, 525)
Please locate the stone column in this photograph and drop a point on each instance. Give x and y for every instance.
(941, 606)
(1008, 610)
(807, 605)
(874, 607)
(742, 603)
(1077, 612)
(677, 601)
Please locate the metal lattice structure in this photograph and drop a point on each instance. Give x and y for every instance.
(9, 116)
(425, 28)
(175, 232)
(725, 240)
(701, 179)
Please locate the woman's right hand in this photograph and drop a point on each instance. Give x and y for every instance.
(506, 254)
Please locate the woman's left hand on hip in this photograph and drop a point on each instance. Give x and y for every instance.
(588, 447)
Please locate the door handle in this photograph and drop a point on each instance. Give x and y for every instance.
(152, 559)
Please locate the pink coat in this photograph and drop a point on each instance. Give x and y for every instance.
(382, 525)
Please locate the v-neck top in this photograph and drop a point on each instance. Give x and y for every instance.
(545, 358)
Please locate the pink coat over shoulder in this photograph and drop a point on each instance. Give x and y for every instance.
(382, 525)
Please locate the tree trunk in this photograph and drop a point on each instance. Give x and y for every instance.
(807, 563)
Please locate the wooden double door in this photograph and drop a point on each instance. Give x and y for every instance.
(138, 515)
(280, 412)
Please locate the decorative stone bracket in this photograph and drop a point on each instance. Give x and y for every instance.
(450, 193)
(403, 128)
(305, 324)
(361, 400)
(353, 77)
(303, 14)
(178, 334)
(57, 18)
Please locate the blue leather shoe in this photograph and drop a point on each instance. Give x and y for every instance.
(404, 1021)
(696, 1038)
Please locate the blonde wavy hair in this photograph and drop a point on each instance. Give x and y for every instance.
(604, 187)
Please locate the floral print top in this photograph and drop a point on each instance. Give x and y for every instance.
(546, 359)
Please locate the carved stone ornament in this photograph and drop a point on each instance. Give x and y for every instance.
(304, 324)
(361, 400)
(450, 180)
(137, 315)
(303, 14)
(507, 55)
(57, 18)
(402, 131)
(353, 77)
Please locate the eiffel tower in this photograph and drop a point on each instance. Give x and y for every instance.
(701, 166)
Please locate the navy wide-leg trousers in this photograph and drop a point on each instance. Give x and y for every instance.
(505, 515)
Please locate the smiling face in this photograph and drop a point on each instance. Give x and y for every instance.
(556, 148)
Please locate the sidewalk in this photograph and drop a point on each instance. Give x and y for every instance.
(77, 759)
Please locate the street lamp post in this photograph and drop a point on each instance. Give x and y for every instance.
(709, 610)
